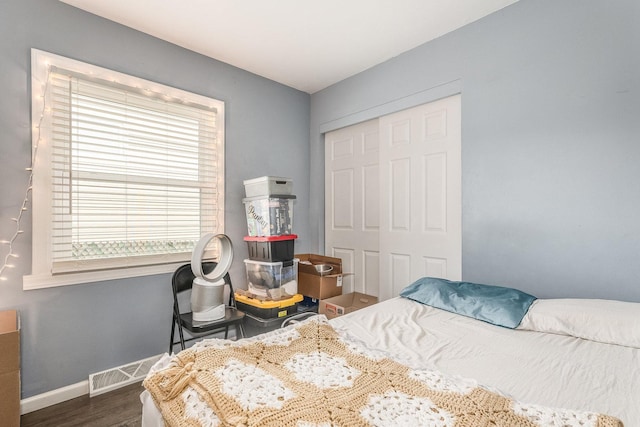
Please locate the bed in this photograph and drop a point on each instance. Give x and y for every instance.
(565, 363)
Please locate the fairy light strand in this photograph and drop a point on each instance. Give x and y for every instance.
(11, 255)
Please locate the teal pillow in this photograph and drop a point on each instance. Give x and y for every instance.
(493, 304)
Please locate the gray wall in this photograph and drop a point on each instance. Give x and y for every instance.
(550, 141)
(72, 331)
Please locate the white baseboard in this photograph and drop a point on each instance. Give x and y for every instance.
(72, 391)
(53, 397)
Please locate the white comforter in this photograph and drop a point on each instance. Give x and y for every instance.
(545, 369)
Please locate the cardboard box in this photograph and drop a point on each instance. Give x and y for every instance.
(347, 303)
(10, 399)
(9, 368)
(9, 342)
(312, 284)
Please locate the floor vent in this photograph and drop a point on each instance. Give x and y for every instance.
(111, 379)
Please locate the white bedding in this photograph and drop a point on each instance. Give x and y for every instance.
(538, 368)
(546, 369)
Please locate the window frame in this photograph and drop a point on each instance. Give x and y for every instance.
(42, 275)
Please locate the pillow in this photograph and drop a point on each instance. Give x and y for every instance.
(606, 321)
(493, 304)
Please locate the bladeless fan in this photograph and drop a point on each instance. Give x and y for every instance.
(207, 293)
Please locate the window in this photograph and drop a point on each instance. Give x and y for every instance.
(128, 174)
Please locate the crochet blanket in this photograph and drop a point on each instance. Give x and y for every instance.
(310, 375)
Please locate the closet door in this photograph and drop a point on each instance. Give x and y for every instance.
(352, 203)
(393, 198)
(420, 190)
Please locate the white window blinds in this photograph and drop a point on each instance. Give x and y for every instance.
(135, 176)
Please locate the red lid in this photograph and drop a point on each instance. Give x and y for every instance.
(270, 238)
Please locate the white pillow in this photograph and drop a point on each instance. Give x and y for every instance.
(606, 321)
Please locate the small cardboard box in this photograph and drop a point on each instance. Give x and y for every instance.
(10, 399)
(9, 342)
(312, 284)
(9, 368)
(347, 303)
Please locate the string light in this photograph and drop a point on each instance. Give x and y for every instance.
(25, 201)
(46, 110)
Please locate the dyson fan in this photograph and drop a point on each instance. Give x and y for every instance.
(207, 293)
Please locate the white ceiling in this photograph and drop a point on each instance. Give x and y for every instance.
(305, 44)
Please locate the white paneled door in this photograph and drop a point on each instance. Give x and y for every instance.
(393, 213)
(421, 214)
(352, 203)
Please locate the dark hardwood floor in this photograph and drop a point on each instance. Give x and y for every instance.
(120, 408)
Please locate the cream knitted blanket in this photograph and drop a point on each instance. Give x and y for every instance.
(310, 375)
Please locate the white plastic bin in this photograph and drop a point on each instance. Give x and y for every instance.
(268, 186)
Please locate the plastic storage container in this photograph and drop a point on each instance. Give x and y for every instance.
(271, 248)
(268, 185)
(269, 215)
(268, 309)
(254, 325)
(308, 303)
(274, 280)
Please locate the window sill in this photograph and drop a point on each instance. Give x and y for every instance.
(42, 281)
